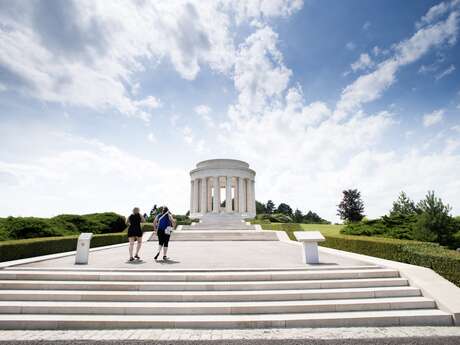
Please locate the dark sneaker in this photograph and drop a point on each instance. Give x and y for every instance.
(156, 256)
(131, 259)
(165, 258)
(136, 257)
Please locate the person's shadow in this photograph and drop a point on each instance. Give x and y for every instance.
(168, 262)
(136, 262)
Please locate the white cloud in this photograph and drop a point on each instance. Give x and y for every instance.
(260, 9)
(259, 70)
(152, 138)
(187, 133)
(363, 62)
(150, 102)
(451, 146)
(376, 51)
(87, 53)
(433, 118)
(350, 46)
(370, 87)
(3, 87)
(366, 25)
(204, 111)
(309, 157)
(436, 12)
(428, 68)
(456, 128)
(103, 177)
(446, 72)
(174, 119)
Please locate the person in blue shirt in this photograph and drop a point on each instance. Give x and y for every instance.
(163, 224)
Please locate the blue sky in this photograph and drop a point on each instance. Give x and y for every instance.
(108, 105)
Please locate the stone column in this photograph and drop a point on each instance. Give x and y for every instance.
(228, 195)
(216, 199)
(237, 195)
(242, 195)
(250, 203)
(209, 195)
(191, 196)
(196, 196)
(253, 195)
(204, 196)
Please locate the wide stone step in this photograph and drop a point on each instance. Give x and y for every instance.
(209, 296)
(199, 276)
(199, 286)
(317, 268)
(207, 308)
(335, 319)
(219, 227)
(222, 235)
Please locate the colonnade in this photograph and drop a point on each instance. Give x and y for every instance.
(239, 197)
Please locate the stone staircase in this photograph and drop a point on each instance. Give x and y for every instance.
(222, 227)
(322, 296)
(220, 222)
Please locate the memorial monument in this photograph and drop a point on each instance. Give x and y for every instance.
(222, 186)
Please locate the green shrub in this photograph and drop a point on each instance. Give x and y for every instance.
(30, 227)
(26, 248)
(15, 228)
(456, 240)
(397, 226)
(434, 224)
(279, 218)
(443, 261)
(110, 222)
(81, 223)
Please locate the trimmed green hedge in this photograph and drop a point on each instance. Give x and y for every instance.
(20, 249)
(443, 261)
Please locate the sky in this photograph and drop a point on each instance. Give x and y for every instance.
(107, 105)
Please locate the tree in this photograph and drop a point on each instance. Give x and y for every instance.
(434, 223)
(403, 206)
(351, 208)
(313, 218)
(270, 207)
(298, 216)
(284, 209)
(260, 208)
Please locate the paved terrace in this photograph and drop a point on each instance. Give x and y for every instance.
(202, 255)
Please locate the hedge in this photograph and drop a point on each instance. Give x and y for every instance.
(17, 228)
(20, 249)
(441, 260)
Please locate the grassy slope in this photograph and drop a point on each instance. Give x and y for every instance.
(325, 229)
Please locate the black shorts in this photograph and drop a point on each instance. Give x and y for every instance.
(134, 233)
(163, 239)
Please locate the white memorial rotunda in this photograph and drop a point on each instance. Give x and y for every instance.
(222, 186)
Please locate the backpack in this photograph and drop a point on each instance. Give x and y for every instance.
(164, 222)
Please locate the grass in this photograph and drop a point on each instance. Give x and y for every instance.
(325, 229)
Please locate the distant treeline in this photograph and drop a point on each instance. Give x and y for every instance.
(283, 213)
